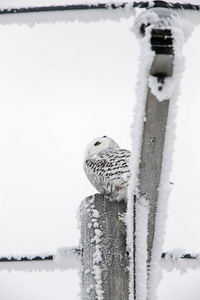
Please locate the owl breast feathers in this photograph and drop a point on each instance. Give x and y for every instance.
(107, 167)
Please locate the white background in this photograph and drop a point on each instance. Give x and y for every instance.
(66, 78)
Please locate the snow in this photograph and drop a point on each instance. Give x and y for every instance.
(33, 266)
(66, 17)
(37, 3)
(69, 258)
(85, 16)
(65, 258)
(145, 59)
(97, 255)
(87, 208)
(174, 261)
(98, 286)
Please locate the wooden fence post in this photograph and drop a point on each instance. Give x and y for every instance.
(104, 255)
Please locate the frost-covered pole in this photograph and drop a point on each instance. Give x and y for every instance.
(154, 129)
(104, 257)
(158, 47)
(161, 35)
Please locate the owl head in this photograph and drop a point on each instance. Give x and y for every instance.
(99, 144)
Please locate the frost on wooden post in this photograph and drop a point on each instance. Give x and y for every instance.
(104, 255)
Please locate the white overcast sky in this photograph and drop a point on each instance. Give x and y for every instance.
(66, 78)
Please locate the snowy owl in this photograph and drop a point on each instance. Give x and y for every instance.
(107, 167)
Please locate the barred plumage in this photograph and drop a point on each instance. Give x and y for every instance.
(107, 167)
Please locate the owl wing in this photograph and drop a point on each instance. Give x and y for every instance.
(108, 171)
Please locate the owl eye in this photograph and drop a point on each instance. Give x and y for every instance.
(97, 143)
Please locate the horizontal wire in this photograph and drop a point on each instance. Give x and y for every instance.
(141, 4)
(78, 251)
(36, 258)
